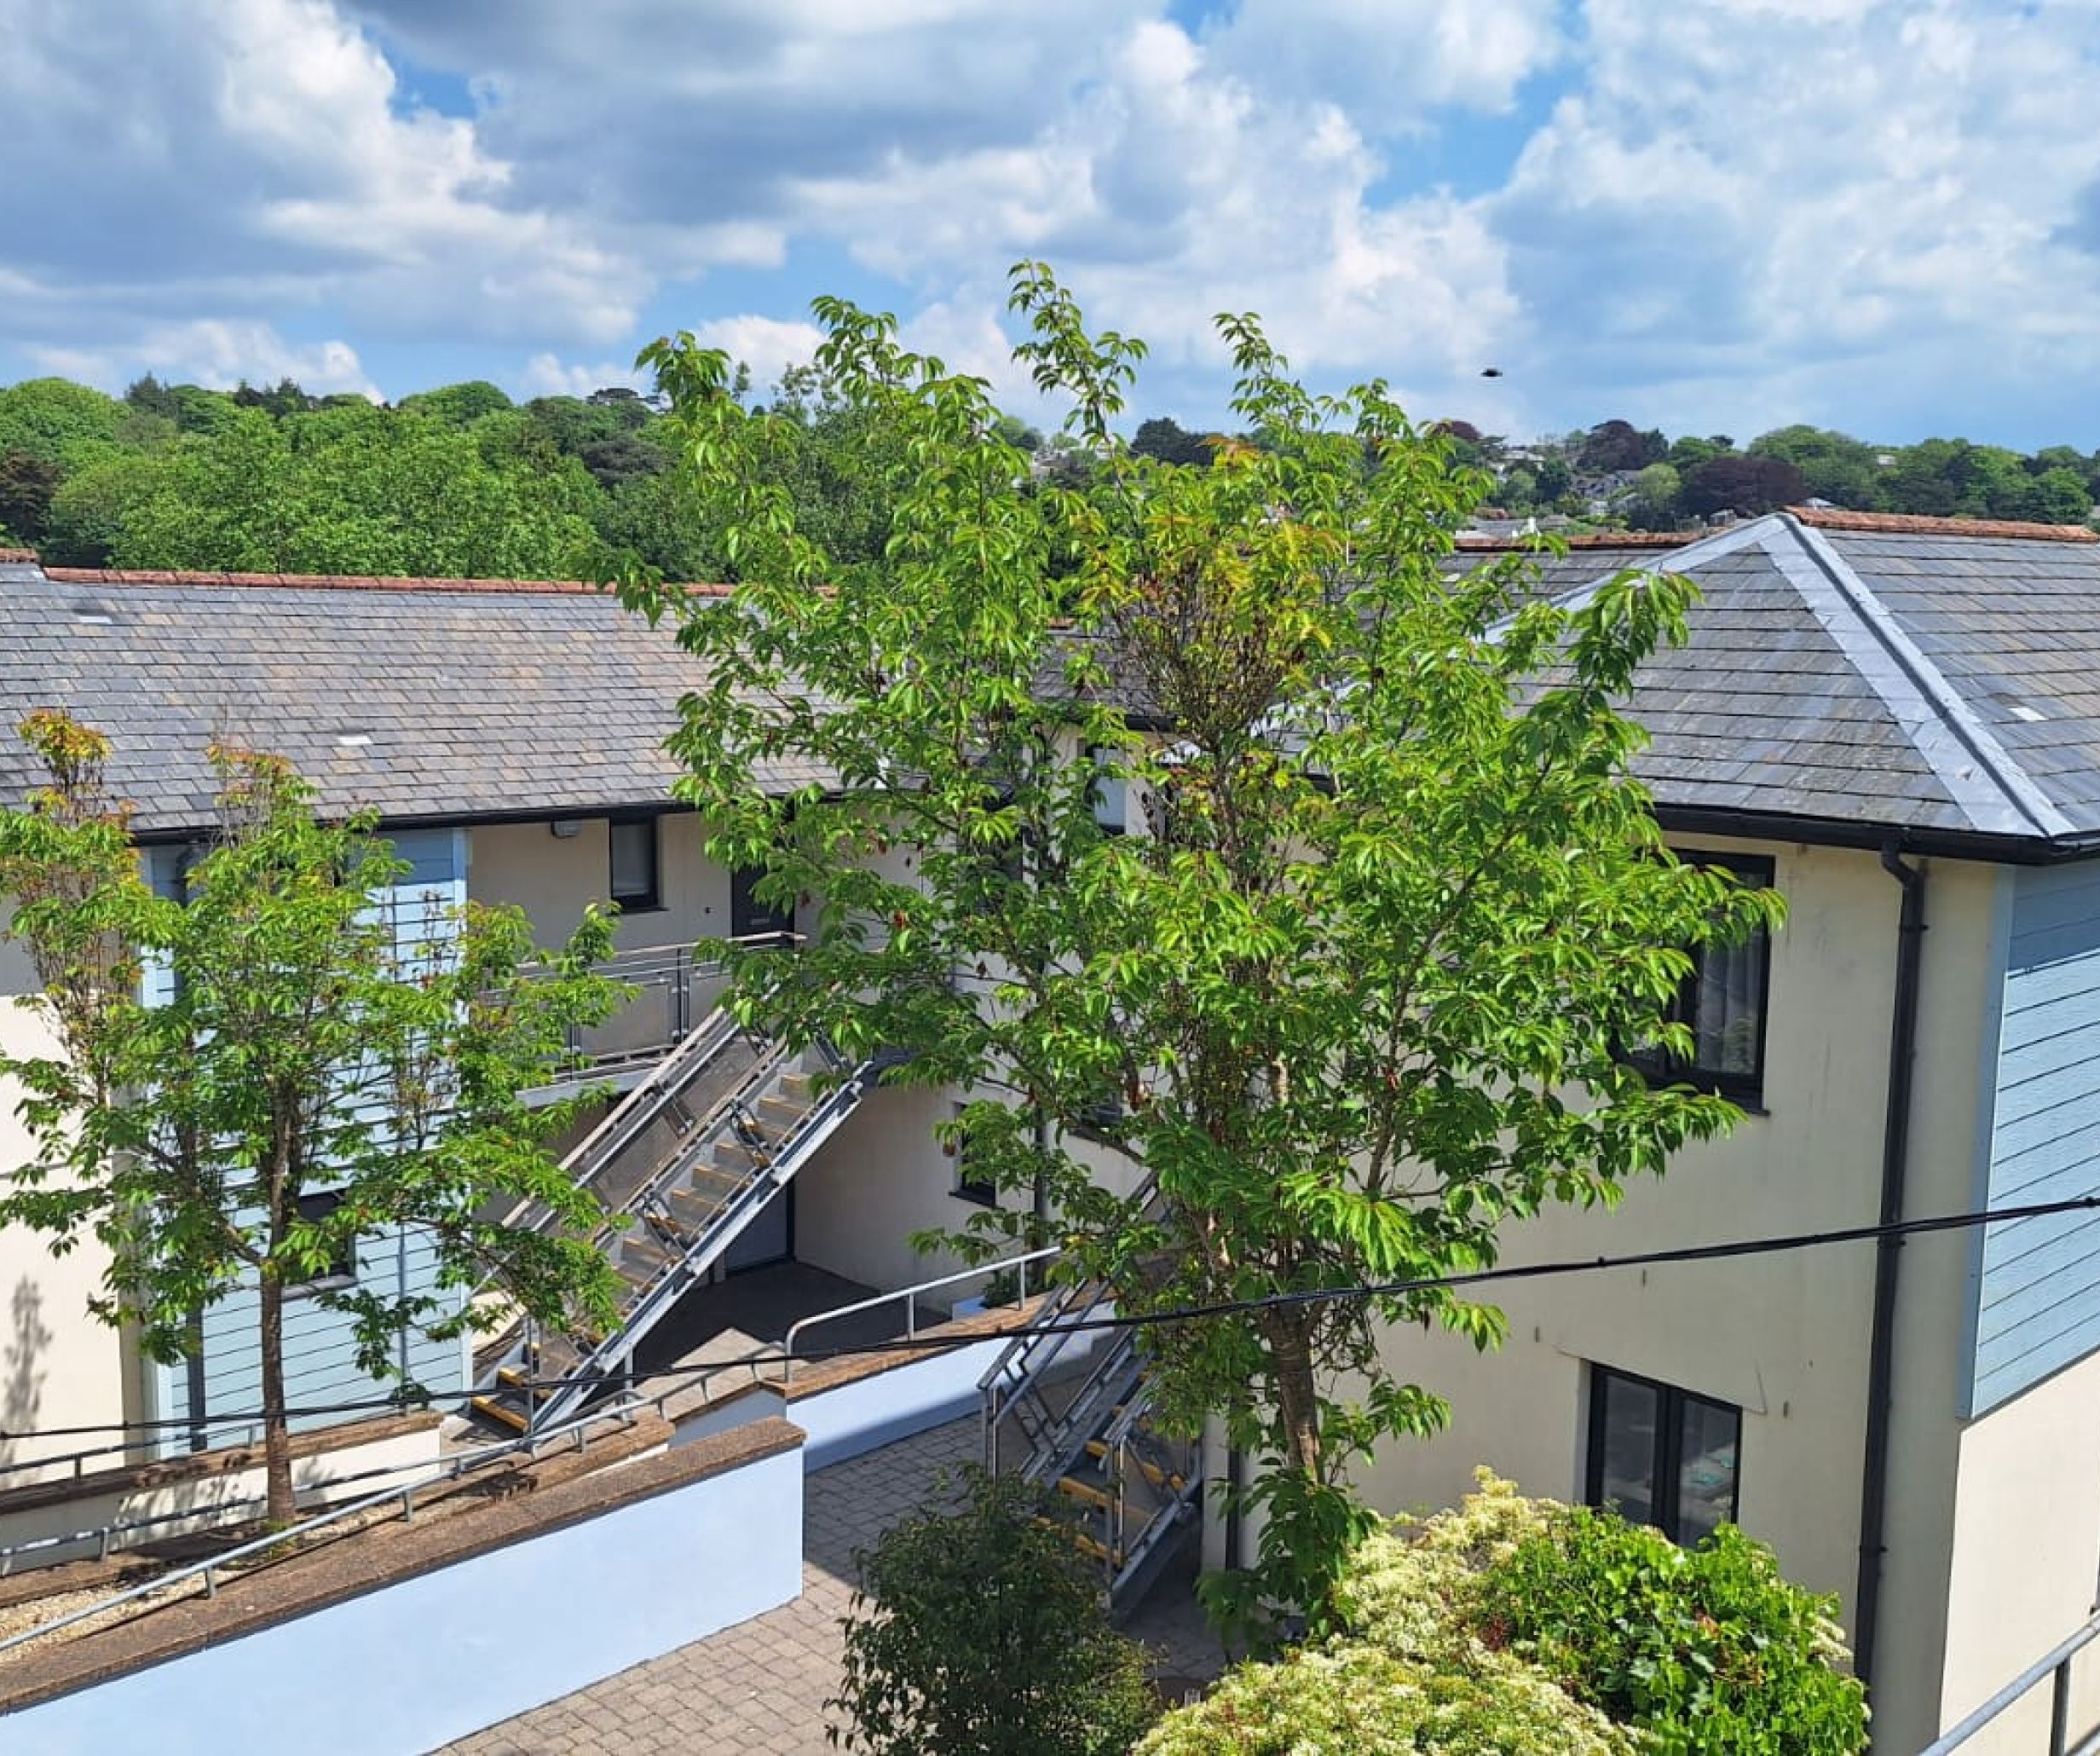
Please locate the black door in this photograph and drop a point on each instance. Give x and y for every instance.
(749, 916)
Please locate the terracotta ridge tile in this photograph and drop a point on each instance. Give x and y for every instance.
(1917, 525)
(18, 555)
(341, 582)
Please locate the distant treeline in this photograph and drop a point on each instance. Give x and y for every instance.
(463, 482)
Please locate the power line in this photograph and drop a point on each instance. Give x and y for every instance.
(1774, 1244)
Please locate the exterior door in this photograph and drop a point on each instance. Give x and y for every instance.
(749, 916)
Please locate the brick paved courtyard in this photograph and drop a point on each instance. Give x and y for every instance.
(760, 1687)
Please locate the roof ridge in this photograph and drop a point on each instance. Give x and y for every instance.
(1917, 524)
(1896, 665)
(337, 582)
(1541, 542)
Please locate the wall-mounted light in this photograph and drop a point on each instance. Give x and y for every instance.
(565, 828)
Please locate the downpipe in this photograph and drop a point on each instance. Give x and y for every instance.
(1888, 1257)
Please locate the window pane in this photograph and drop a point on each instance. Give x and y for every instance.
(1628, 1410)
(1728, 1006)
(634, 861)
(1706, 1476)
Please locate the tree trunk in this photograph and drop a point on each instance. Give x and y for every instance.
(1297, 1391)
(283, 1509)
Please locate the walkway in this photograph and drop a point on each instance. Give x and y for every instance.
(759, 1689)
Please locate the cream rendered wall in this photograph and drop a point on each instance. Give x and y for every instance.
(1784, 1337)
(58, 1367)
(2026, 1553)
(551, 878)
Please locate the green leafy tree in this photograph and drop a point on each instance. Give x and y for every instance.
(1390, 902)
(296, 1048)
(1169, 442)
(980, 1632)
(2062, 497)
(1834, 466)
(28, 484)
(458, 405)
(1653, 499)
(48, 417)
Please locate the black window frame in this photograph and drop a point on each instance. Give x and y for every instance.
(1666, 1458)
(318, 1205)
(1756, 871)
(642, 901)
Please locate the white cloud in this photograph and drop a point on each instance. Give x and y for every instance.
(768, 345)
(1735, 211)
(217, 353)
(550, 375)
(1875, 220)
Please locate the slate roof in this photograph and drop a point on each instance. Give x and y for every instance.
(1919, 674)
(420, 699)
(1844, 671)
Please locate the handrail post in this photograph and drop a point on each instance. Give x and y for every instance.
(2060, 1709)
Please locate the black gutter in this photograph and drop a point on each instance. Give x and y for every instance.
(1835, 832)
(1881, 1353)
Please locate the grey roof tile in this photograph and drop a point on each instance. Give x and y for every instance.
(476, 702)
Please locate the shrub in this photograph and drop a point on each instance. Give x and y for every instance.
(1706, 1649)
(1354, 1699)
(978, 1630)
(1510, 1623)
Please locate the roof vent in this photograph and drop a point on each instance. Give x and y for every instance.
(2020, 710)
(96, 614)
(353, 740)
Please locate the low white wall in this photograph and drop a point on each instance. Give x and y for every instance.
(432, 1658)
(863, 1413)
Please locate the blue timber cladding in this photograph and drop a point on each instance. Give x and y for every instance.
(320, 1358)
(2037, 1282)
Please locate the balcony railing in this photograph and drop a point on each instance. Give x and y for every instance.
(674, 989)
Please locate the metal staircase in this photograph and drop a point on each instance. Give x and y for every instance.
(682, 1165)
(1082, 1423)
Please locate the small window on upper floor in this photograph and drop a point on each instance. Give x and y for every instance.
(341, 1270)
(1662, 1456)
(636, 875)
(980, 1190)
(1111, 793)
(1722, 1003)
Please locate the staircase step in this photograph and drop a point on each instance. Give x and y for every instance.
(524, 1382)
(501, 1411)
(733, 1156)
(1093, 1546)
(782, 1113)
(1086, 1492)
(798, 1087)
(1098, 1448)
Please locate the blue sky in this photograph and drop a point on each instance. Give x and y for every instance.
(1704, 214)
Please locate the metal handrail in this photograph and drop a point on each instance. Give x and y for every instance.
(910, 1296)
(624, 1410)
(2056, 1664)
(599, 1363)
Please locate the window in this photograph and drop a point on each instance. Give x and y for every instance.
(637, 886)
(341, 1269)
(981, 1190)
(1112, 792)
(1723, 1002)
(1662, 1456)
